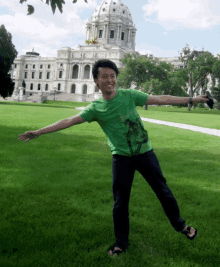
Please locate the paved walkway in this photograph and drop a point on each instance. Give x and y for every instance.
(181, 125)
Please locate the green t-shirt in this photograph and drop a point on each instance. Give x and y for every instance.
(121, 122)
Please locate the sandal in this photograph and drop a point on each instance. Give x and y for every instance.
(114, 251)
(187, 231)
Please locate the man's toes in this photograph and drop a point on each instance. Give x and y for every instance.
(110, 252)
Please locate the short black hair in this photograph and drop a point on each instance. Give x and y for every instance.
(103, 63)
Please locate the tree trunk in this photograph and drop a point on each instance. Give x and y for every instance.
(145, 107)
(190, 92)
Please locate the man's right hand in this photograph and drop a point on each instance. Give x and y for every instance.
(29, 135)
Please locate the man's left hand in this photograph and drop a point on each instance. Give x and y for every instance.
(208, 100)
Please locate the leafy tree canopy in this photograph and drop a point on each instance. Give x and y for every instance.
(53, 3)
(7, 50)
(7, 55)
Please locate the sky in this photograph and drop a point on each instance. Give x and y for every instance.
(164, 27)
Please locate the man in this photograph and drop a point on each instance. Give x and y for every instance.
(130, 147)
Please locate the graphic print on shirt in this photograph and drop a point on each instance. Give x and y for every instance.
(135, 133)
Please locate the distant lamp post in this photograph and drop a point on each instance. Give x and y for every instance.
(55, 89)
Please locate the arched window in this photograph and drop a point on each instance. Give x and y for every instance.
(31, 86)
(39, 87)
(87, 72)
(73, 89)
(46, 87)
(84, 89)
(59, 86)
(75, 72)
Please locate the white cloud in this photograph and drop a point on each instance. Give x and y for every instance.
(43, 30)
(144, 48)
(173, 14)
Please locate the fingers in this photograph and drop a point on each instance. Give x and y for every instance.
(23, 137)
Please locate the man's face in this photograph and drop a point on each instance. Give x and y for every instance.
(106, 81)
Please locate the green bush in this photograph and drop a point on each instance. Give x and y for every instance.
(217, 105)
(200, 105)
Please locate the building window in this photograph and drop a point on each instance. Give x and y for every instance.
(122, 36)
(48, 66)
(48, 75)
(73, 89)
(87, 72)
(33, 66)
(46, 87)
(40, 75)
(84, 89)
(25, 75)
(75, 72)
(59, 86)
(26, 66)
(123, 12)
(15, 66)
(33, 75)
(31, 87)
(100, 33)
(96, 89)
(38, 87)
(61, 65)
(60, 74)
(112, 34)
(113, 9)
(41, 66)
(103, 9)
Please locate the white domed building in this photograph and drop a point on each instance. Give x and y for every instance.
(110, 34)
(111, 29)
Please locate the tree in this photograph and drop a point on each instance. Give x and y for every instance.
(198, 65)
(151, 76)
(53, 3)
(138, 69)
(215, 89)
(173, 84)
(7, 55)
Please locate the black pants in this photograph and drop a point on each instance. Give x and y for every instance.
(123, 169)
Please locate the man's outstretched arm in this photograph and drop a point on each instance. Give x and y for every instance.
(169, 100)
(52, 128)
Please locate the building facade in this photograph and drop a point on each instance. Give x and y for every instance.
(70, 73)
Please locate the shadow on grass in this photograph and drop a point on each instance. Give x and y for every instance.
(60, 211)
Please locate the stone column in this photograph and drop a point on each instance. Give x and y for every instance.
(118, 32)
(96, 31)
(107, 31)
(104, 31)
(86, 33)
(70, 71)
(81, 71)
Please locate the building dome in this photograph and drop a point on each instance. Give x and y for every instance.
(111, 23)
(112, 8)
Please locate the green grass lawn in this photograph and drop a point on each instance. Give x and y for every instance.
(56, 194)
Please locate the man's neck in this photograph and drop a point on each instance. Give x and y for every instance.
(110, 97)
